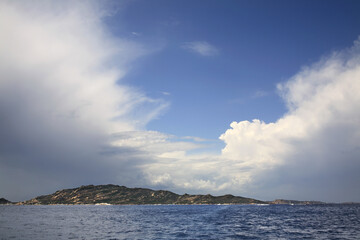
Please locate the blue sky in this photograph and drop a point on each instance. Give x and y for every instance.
(259, 43)
(253, 98)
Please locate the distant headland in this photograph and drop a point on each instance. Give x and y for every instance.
(120, 195)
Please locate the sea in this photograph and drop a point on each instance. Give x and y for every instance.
(180, 222)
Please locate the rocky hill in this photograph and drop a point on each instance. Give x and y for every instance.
(114, 194)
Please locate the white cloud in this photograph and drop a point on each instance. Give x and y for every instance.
(166, 93)
(201, 47)
(136, 34)
(316, 142)
(67, 60)
(312, 152)
(196, 139)
(152, 142)
(61, 96)
(260, 94)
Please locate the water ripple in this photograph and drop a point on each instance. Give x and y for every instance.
(180, 222)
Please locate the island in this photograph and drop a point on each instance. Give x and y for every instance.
(111, 194)
(121, 195)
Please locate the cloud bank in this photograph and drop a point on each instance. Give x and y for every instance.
(61, 97)
(201, 47)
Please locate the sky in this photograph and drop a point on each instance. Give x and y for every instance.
(252, 98)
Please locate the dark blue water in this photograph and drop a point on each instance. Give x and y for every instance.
(180, 222)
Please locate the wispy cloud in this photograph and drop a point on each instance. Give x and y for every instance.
(260, 94)
(196, 139)
(201, 47)
(137, 34)
(166, 93)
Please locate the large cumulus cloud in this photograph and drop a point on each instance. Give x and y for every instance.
(61, 98)
(314, 149)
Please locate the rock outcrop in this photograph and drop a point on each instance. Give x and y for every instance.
(4, 201)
